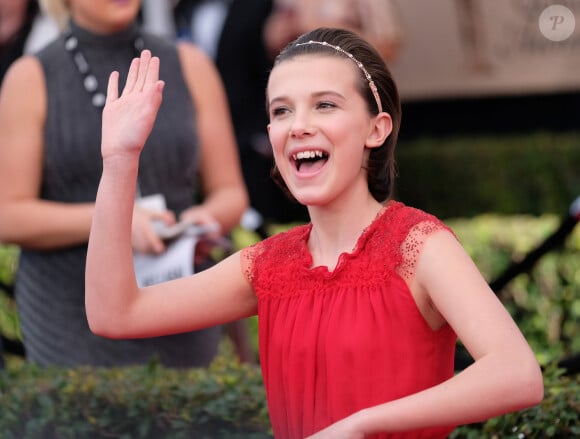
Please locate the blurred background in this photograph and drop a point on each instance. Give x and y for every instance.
(478, 50)
(490, 140)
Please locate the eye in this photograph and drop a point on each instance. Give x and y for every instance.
(325, 105)
(278, 111)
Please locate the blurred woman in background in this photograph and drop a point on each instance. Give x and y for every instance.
(50, 166)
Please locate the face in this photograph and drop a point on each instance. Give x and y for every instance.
(320, 128)
(104, 16)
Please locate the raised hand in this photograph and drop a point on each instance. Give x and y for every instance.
(128, 119)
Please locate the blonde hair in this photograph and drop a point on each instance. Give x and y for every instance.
(58, 10)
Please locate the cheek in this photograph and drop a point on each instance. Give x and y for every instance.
(352, 148)
(278, 136)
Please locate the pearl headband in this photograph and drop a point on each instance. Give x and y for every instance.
(372, 85)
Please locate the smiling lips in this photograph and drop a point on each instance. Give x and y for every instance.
(309, 161)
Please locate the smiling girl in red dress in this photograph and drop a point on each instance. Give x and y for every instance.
(359, 310)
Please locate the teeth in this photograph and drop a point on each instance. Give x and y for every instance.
(307, 155)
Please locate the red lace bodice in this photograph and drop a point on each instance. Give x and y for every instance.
(334, 342)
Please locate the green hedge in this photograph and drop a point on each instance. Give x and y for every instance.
(519, 174)
(9, 323)
(558, 416)
(225, 401)
(544, 302)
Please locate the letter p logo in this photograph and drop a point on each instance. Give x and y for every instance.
(556, 20)
(557, 23)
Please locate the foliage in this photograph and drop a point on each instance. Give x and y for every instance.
(545, 303)
(226, 400)
(558, 416)
(8, 261)
(466, 176)
(9, 322)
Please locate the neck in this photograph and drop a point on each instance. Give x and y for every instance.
(129, 36)
(101, 28)
(336, 229)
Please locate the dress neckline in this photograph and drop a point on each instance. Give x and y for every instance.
(344, 256)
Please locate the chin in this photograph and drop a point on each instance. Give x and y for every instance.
(310, 193)
(311, 199)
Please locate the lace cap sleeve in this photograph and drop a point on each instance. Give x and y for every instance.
(412, 245)
(248, 257)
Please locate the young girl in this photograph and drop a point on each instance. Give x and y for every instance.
(358, 310)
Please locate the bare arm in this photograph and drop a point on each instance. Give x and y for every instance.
(115, 306)
(25, 219)
(505, 375)
(225, 195)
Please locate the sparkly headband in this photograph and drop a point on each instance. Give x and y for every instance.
(372, 85)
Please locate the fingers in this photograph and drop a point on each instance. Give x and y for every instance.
(113, 87)
(144, 237)
(143, 71)
(167, 216)
(148, 70)
(156, 243)
(132, 76)
(153, 70)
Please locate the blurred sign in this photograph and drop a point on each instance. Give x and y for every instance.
(455, 48)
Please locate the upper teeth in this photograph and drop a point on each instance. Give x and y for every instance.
(307, 155)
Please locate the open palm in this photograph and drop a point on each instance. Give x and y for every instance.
(128, 118)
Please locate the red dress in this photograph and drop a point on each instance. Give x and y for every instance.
(332, 343)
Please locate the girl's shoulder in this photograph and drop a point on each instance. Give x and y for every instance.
(283, 243)
(401, 220)
(282, 248)
(409, 228)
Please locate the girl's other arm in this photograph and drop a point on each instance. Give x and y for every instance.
(505, 376)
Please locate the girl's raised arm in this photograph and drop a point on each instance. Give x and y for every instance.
(116, 307)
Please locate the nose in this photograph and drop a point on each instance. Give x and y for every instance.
(301, 125)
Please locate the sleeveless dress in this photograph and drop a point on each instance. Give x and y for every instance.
(335, 342)
(49, 286)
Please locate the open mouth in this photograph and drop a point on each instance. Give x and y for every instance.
(310, 161)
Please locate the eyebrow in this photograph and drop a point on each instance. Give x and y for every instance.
(317, 94)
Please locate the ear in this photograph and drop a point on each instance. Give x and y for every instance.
(381, 127)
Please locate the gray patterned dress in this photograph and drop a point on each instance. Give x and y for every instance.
(50, 284)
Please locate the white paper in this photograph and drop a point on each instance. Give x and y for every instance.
(178, 259)
(175, 262)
